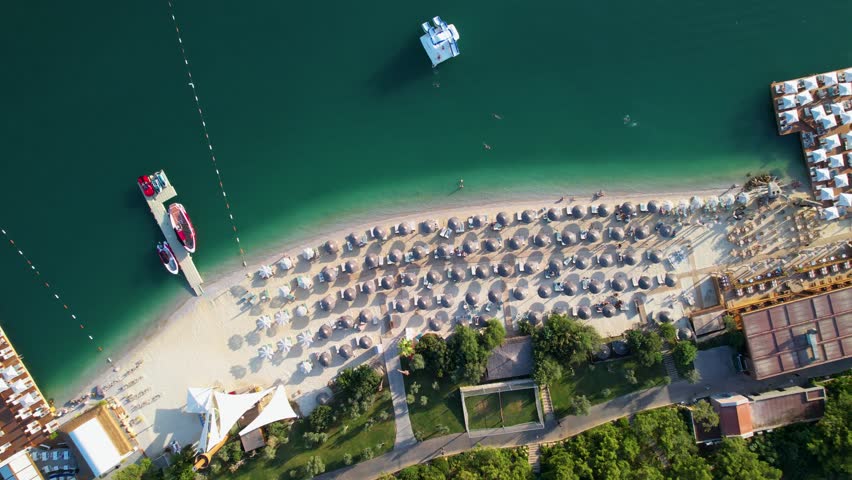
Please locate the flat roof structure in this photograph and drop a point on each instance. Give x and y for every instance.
(510, 360)
(19, 467)
(799, 334)
(819, 109)
(99, 439)
(26, 419)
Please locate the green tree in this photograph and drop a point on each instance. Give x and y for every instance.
(736, 338)
(580, 405)
(832, 442)
(320, 419)
(406, 347)
(493, 334)
(467, 355)
(705, 415)
(685, 353)
(182, 465)
(668, 332)
(136, 471)
(546, 370)
(566, 340)
(269, 452)
(733, 461)
(314, 467)
(646, 345)
(417, 362)
(357, 385)
(433, 349)
(279, 430)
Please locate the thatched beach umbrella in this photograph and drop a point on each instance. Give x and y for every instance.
(345, 351)
(608, 310)
(520, 293)
(627, 208)
(629, 257)
(482, 272)
(471, 299)
(408, 279)
(642, 232)
(606, 260)
(495, 296)
(603, 352)
(569, 288)
(664, 316)
(603, 210)
(528, 216)
(387, 282)
(365, 342)
(434, 324)
(301, 311)
(331, 247)
(457, 274)
(447, 300)
(655, 256)
(349, 294)
(424, 303)
(419, 252)
(644, 282)
(569, 237)
(326, 303)
(444, 251)
(503, 219)
(428, 226)
(582, 262)
(492, 244)
(469, 246)
(595, 286)
(405, 228)
(328, 274)
(671, 279)
(554, 266)
(578, 211)
(503, 270)
(351, 266)
(584, 313)
(325, 331)
(434, 277)
(265, 272)
(666, 230)
(541, 240)
(402, 304)
(653, 206)
(616, 233)
(345, 322)
(305, 338)
(365, 315)
(380, 232)
(620, 347)
(516, 242)
(534, 317)
(553, 214)
(479, 220)
(454, 224)
(594, 235)
(395, 255)
(619, 284)
(368, 287)
(371, 261)
(324, 359)
(544, 291)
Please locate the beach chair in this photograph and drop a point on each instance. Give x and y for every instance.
(558, 237)
(574, 311)
(635, 282)
(661, 279)
(643, 207)
(518, 216)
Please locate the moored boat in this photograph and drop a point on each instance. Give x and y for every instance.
(182, 226)
(145, 185)
(167, 257)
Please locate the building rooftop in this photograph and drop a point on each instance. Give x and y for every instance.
(799, 334)
(819, 108)
(25, 417)
(734, 415)
(510, 360)
(99, 439)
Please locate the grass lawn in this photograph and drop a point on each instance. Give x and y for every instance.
(295, 454)
(604, 381)
(483, 411)
(442, 410)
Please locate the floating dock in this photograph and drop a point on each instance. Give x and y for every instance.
(161, 216)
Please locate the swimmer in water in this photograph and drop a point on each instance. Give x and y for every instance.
(497, 116)
(436, 84)
(486, 146)
(627, 119)
(461, 183)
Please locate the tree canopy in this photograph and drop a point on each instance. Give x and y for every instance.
(705, 415)
(468, 350)
(646, 345)
(733, 461)
(685, 353)
(566, 340)
(433, 349)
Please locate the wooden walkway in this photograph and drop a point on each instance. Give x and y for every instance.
(161, 216)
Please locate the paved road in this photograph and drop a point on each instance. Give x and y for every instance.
(717, 380)
(404, 432)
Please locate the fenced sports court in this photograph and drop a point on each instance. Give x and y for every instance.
(504, 407)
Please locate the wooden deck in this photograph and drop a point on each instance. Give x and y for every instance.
(161, 216)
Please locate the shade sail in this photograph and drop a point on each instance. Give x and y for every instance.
(278, 408)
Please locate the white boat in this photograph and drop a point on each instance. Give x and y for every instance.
(439, 40)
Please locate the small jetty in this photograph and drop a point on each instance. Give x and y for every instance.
(157, 205)
(819, 109)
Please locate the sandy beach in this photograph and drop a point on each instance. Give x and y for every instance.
(214, 340)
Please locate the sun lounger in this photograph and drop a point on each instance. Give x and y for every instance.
(558, 287)
(349, 246)
(445, 233)
(661, 279)
(635, 282)
(643, 207)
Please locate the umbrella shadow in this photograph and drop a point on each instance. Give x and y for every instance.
(235, 342)
(253, 338)
(238, 371)
(255, 364)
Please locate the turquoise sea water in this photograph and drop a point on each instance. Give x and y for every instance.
(324, 110)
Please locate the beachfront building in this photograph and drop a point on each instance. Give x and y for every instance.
(26, 419)
(745, 415)
(819, 109)
(20, 466)
(799, 333)
(97, 437)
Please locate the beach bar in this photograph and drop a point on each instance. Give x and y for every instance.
(819, 109)
(157, 204)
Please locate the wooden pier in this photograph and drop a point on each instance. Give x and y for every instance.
(161, 216)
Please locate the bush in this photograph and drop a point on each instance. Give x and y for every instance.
(417, 362)
(580, 405)
(409, 399)
(566, 340)
(668, 332)
(646, 345)
(630, 376)
(424, 400)
(367, 454)
(685, 353)
(434, 351)
(414, 387)
(704, 414)
(493, 334)
(269, 452)
(278, 430)
(315, 438)
(692, 376)
(357, 385)
(320, 419)
(436, 385)
(546, 370)
(314, 467)
(347, 459)
(525, 327)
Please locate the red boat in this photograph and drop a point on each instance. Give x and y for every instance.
(183, 227)
(145, 185)
(167, 256)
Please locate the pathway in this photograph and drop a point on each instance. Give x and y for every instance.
(599, 414)
(404, 433)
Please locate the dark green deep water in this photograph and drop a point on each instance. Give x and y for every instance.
(319, 110)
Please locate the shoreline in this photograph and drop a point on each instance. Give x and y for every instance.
(230, 272)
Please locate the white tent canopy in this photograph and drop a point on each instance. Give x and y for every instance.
(844, 200)
(845, 88)
(791, 86)
(826, 193)
(841, 181)
(829, 79)
(790, 116)
(823, 175)
(95, 446)
(817, 155)
(835, 161)
(810, 83)
(836, 108)
(265, 271)
(847, 138)
(787, 101)
(831, 142)
(226, 412)
(199, 399)
(827, 121)
(831, 213)
(278, 408)
(846, 117)
(804, 98)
